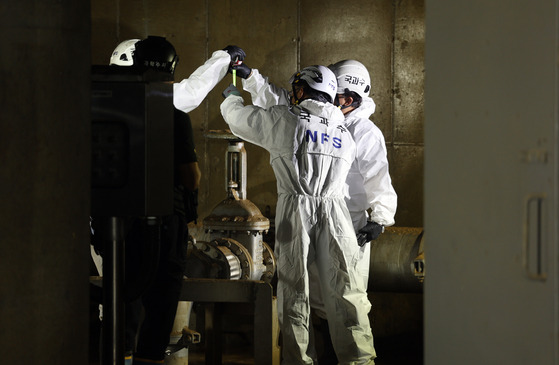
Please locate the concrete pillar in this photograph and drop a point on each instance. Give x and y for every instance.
(44, 181)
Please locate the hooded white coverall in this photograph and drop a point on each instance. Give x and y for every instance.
(368, 183)
(190, 92)
(311, 153)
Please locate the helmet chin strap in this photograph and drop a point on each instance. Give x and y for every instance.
(342, 107)
(337, 103)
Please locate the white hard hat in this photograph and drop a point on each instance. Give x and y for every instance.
(123, 53)
(352, 75)
(319, 78)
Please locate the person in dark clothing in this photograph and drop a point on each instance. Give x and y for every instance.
(156, 250)
(161, 296)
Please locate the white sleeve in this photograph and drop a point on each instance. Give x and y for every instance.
(263, 93)
(189, 93)
(251, 123)
(373, 166)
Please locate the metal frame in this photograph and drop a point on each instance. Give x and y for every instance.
(266, 327)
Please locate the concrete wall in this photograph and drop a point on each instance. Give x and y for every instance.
(279, 38)
(44, 141)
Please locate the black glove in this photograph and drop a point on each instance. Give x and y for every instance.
(236, 53)
(368, 233)
(243, 70)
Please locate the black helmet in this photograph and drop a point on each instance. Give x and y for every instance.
(157, 53)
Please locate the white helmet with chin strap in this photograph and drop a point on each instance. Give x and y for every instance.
(318, 78)
(352, 75)
(123, 55)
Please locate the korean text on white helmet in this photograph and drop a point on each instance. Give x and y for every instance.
(318, 78)
(123, 55)
(352, 75)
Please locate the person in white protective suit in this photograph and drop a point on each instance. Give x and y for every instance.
(190, 92)
(311, 152)
(369, 183)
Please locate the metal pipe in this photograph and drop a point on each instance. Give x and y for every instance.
(394, 260)
(235, 167)
(113, 297)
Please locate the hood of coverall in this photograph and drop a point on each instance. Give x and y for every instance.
(325, 110)
(366, 109)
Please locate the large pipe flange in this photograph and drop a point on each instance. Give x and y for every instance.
(241, 253)
(269, 262)
(220, 262)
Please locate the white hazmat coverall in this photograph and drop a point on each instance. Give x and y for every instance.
(189, 93)
(311, 153)
(368, 183)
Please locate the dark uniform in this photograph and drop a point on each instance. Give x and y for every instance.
(161, 291)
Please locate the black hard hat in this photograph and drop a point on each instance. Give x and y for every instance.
(157, 53)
